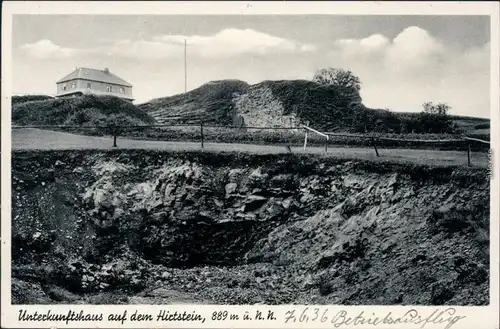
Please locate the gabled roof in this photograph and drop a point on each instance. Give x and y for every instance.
(95, 75)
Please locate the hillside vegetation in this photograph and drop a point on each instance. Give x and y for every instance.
(212, 103)
(223, 102)
(293, 102)
(88, 110)
(28, 98)
(237, 105)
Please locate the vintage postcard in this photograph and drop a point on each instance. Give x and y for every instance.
(250, 165)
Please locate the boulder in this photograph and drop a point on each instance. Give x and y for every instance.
(230, 189)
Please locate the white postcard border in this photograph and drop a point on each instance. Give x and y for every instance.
(477, 317)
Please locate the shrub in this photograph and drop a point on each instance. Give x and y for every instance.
(28, 98)
(435, 119)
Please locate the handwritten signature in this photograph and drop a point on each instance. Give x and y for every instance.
(342, 318)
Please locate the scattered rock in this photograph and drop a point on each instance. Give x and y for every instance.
(23, 292)
(161, 223)
(61, 295)
(230, 189)
(393, 180)
(287, 203)
(103, 285)
(308, 282)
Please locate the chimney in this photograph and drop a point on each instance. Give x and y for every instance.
(106, 70)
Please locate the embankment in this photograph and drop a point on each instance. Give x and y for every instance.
(158, 227)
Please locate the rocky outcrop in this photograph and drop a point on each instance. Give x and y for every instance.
(260, 108)
(236, 228)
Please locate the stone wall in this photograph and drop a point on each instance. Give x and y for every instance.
(259, 108)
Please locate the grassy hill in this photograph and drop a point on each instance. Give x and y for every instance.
(463, 124)
(221, 102)
(86, 110)
(236, 104)
(28, 98)
(279, 103)
(212, 102)
(472, 125)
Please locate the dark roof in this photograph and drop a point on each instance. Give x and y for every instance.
(95, 75)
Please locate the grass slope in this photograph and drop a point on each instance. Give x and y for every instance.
(29, 98)
(84, 110)
(211, 102)
(35, 139)
(329, 108)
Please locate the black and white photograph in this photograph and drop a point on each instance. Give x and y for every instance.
(211, 159)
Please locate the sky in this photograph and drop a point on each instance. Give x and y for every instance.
(402, 61)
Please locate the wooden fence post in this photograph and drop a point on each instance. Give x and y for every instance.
(305, 140)
(202, 137)
(468, 155)
(375, 146)
(114, 137)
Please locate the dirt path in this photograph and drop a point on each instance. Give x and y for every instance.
(29, 138)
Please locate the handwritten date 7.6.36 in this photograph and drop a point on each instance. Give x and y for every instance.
(307, 315)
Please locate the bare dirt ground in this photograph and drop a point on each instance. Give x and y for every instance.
(36, 139)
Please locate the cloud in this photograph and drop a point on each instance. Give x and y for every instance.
(413, 46)
(226, 43)
(414, 42)
(478, 57)
(46, 49)
(414, 67)
(399, 73)
(373, 43)
(141, 49)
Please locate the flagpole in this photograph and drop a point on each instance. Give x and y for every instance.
(185, 65)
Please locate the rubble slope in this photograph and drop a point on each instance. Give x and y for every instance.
(159, 227)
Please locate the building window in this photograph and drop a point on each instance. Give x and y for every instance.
(89, 85)
(122, 90)
(73, 85)
(108, 89)
(64, 86)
